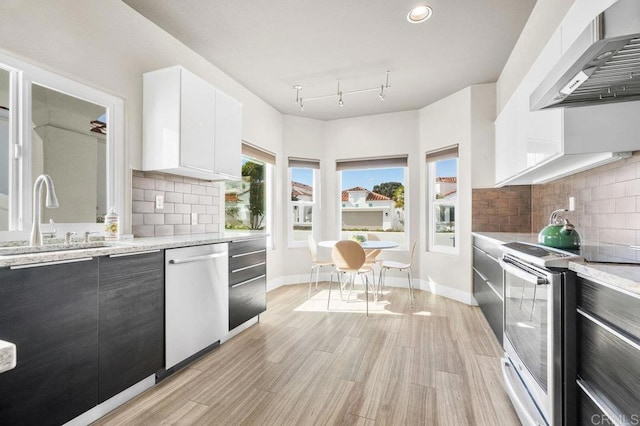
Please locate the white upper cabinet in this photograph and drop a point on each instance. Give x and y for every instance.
(189, 127)
(540, 146)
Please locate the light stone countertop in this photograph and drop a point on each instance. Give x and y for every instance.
(625, 277)
(7, 356)
(127, 246)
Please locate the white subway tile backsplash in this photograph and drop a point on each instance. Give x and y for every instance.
(143, 206)
(182, 196)
(190, 199)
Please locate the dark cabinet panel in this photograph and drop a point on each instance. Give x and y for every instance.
(489, 268)
(588, 412)
(50, 313)
(247, 246)
(488, 283)
(612, 306)
(246, 273)
(243, 260)
(131, 320)
(247, 280)
(609, 363)
(490, 304)
(246, 300)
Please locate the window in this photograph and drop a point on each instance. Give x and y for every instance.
(372, 198)
(443, 200)
(248, 201)
(304, 195)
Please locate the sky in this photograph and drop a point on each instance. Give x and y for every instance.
(367, 178)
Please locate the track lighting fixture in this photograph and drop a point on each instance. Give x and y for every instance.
(339, 93)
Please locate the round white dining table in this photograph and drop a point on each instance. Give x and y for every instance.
(368, 245)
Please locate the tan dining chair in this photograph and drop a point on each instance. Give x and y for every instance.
(399, 266)
(349, 259)
(316, 263)
(371, 255)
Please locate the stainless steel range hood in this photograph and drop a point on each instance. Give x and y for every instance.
(602, 66)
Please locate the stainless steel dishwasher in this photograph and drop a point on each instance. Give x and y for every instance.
(196, 300)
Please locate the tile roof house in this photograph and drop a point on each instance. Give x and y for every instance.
(364, 209)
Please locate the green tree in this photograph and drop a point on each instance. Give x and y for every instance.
(254, 172)
(398, 197)
(387, 188)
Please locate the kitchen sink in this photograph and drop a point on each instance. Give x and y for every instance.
(17, 250)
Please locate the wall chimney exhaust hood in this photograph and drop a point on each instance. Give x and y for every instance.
(602, 66)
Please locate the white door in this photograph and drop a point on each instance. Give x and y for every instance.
(228, 155)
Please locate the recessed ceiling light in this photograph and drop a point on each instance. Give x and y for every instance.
(419, 14)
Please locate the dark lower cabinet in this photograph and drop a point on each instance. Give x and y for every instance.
(131, 320)
(247, 280)
(50, 313)
(487, 283)
(608, 364)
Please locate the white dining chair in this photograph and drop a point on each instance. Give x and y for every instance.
(399, 266)
(349, 259)
(316, 263)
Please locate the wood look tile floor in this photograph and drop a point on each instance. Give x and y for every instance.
(434, 363)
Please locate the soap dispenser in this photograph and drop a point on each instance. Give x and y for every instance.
(111, 225)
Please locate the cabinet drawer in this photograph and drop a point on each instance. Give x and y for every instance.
(609, 363)
(242, 260)
(246, 300)
(612, 306)
(488, 267)
(490, 304)
(490, 247)
(237, 247)
(241, 275)
(588, 412)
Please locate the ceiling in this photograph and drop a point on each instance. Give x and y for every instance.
(270, 46)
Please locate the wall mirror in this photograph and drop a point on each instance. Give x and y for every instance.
(74, 133)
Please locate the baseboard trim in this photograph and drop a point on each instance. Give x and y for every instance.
(431, 287)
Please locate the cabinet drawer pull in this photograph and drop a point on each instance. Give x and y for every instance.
(248, 267)
(248, 281)
(198, 258)
(611, 330)
(249, 253)
(614, 418)
(134, 254)
(481, 274)
(57, 262)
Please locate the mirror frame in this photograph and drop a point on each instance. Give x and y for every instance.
(23, 75)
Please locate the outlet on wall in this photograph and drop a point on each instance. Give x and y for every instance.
(194, 218)
(159, 201)
(572, 203)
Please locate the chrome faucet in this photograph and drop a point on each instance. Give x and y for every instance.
(51, 203)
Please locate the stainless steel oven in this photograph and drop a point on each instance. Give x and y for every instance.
(537, 304)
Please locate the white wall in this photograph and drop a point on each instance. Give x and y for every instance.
(370, 136)
(464, 118)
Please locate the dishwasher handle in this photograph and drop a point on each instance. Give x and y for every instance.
(198, 258)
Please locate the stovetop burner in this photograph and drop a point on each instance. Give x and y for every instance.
(610, 253)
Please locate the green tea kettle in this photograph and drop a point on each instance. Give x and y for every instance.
(560, 233)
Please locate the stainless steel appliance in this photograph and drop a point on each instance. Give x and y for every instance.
(539, 297)
(601, 66)
(197, 300)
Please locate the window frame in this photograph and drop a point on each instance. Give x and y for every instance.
(314, 204)
(404, 245)
(268, 202)
(431, 203)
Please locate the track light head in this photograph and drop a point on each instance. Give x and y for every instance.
(340, 100)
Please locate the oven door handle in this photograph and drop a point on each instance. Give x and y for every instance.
(522, 274)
